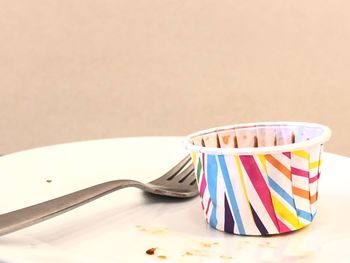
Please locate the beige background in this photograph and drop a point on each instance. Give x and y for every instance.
(79, 69)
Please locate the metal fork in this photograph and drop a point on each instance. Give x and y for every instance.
(179, 182)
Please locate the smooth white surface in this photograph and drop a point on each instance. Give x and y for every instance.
(122, 226)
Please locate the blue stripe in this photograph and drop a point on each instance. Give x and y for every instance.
(297, 134)
(281, 192)
(212, 174)
(303, 214)
(231, 194)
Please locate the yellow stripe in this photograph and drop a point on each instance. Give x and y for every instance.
(284, 213)
(302, 154)
(263, 161)
(316, 164)
(281, 210)
(194, 158)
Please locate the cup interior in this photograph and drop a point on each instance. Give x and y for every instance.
(257, 135)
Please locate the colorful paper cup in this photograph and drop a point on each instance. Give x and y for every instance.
(259, 178)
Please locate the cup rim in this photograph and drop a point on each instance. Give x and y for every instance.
(321, 139)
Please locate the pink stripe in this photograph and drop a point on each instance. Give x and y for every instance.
(314, 179)
(287, 154)
(203, 186)
(282, 227)
(299, 172)
(259, 184)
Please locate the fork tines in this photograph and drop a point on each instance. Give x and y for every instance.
(181, 171)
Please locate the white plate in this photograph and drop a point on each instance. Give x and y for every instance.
(120, 227)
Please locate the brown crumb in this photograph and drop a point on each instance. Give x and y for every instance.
(48, 180)
(205, 244)
(162, 257)
(150, 251)
(187, 253)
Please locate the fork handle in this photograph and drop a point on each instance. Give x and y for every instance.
(24, 217)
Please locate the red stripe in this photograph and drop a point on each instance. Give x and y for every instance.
(287, 154)
(314, 179)
(299, 172)
(208, 205)
(259, 184)
(282, 227)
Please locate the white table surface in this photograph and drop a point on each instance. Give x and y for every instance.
(120, 227)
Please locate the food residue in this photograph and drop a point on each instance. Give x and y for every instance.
(204, 249)
(196, 253)
(207, 244)
(150, 251)
(49, 180)
(225, 257)
(152, 231)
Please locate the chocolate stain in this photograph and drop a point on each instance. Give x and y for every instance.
(225, 139)
(235, 142)
(255, 142)
(218, 141)
(293, 137)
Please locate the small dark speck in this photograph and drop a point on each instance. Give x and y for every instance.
(48, 180)
(150, 251)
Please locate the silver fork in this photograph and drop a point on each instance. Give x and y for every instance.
(179, 182)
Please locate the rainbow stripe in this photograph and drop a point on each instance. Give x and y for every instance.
(259, 194)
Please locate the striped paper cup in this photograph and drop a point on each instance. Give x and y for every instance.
(259, 178)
